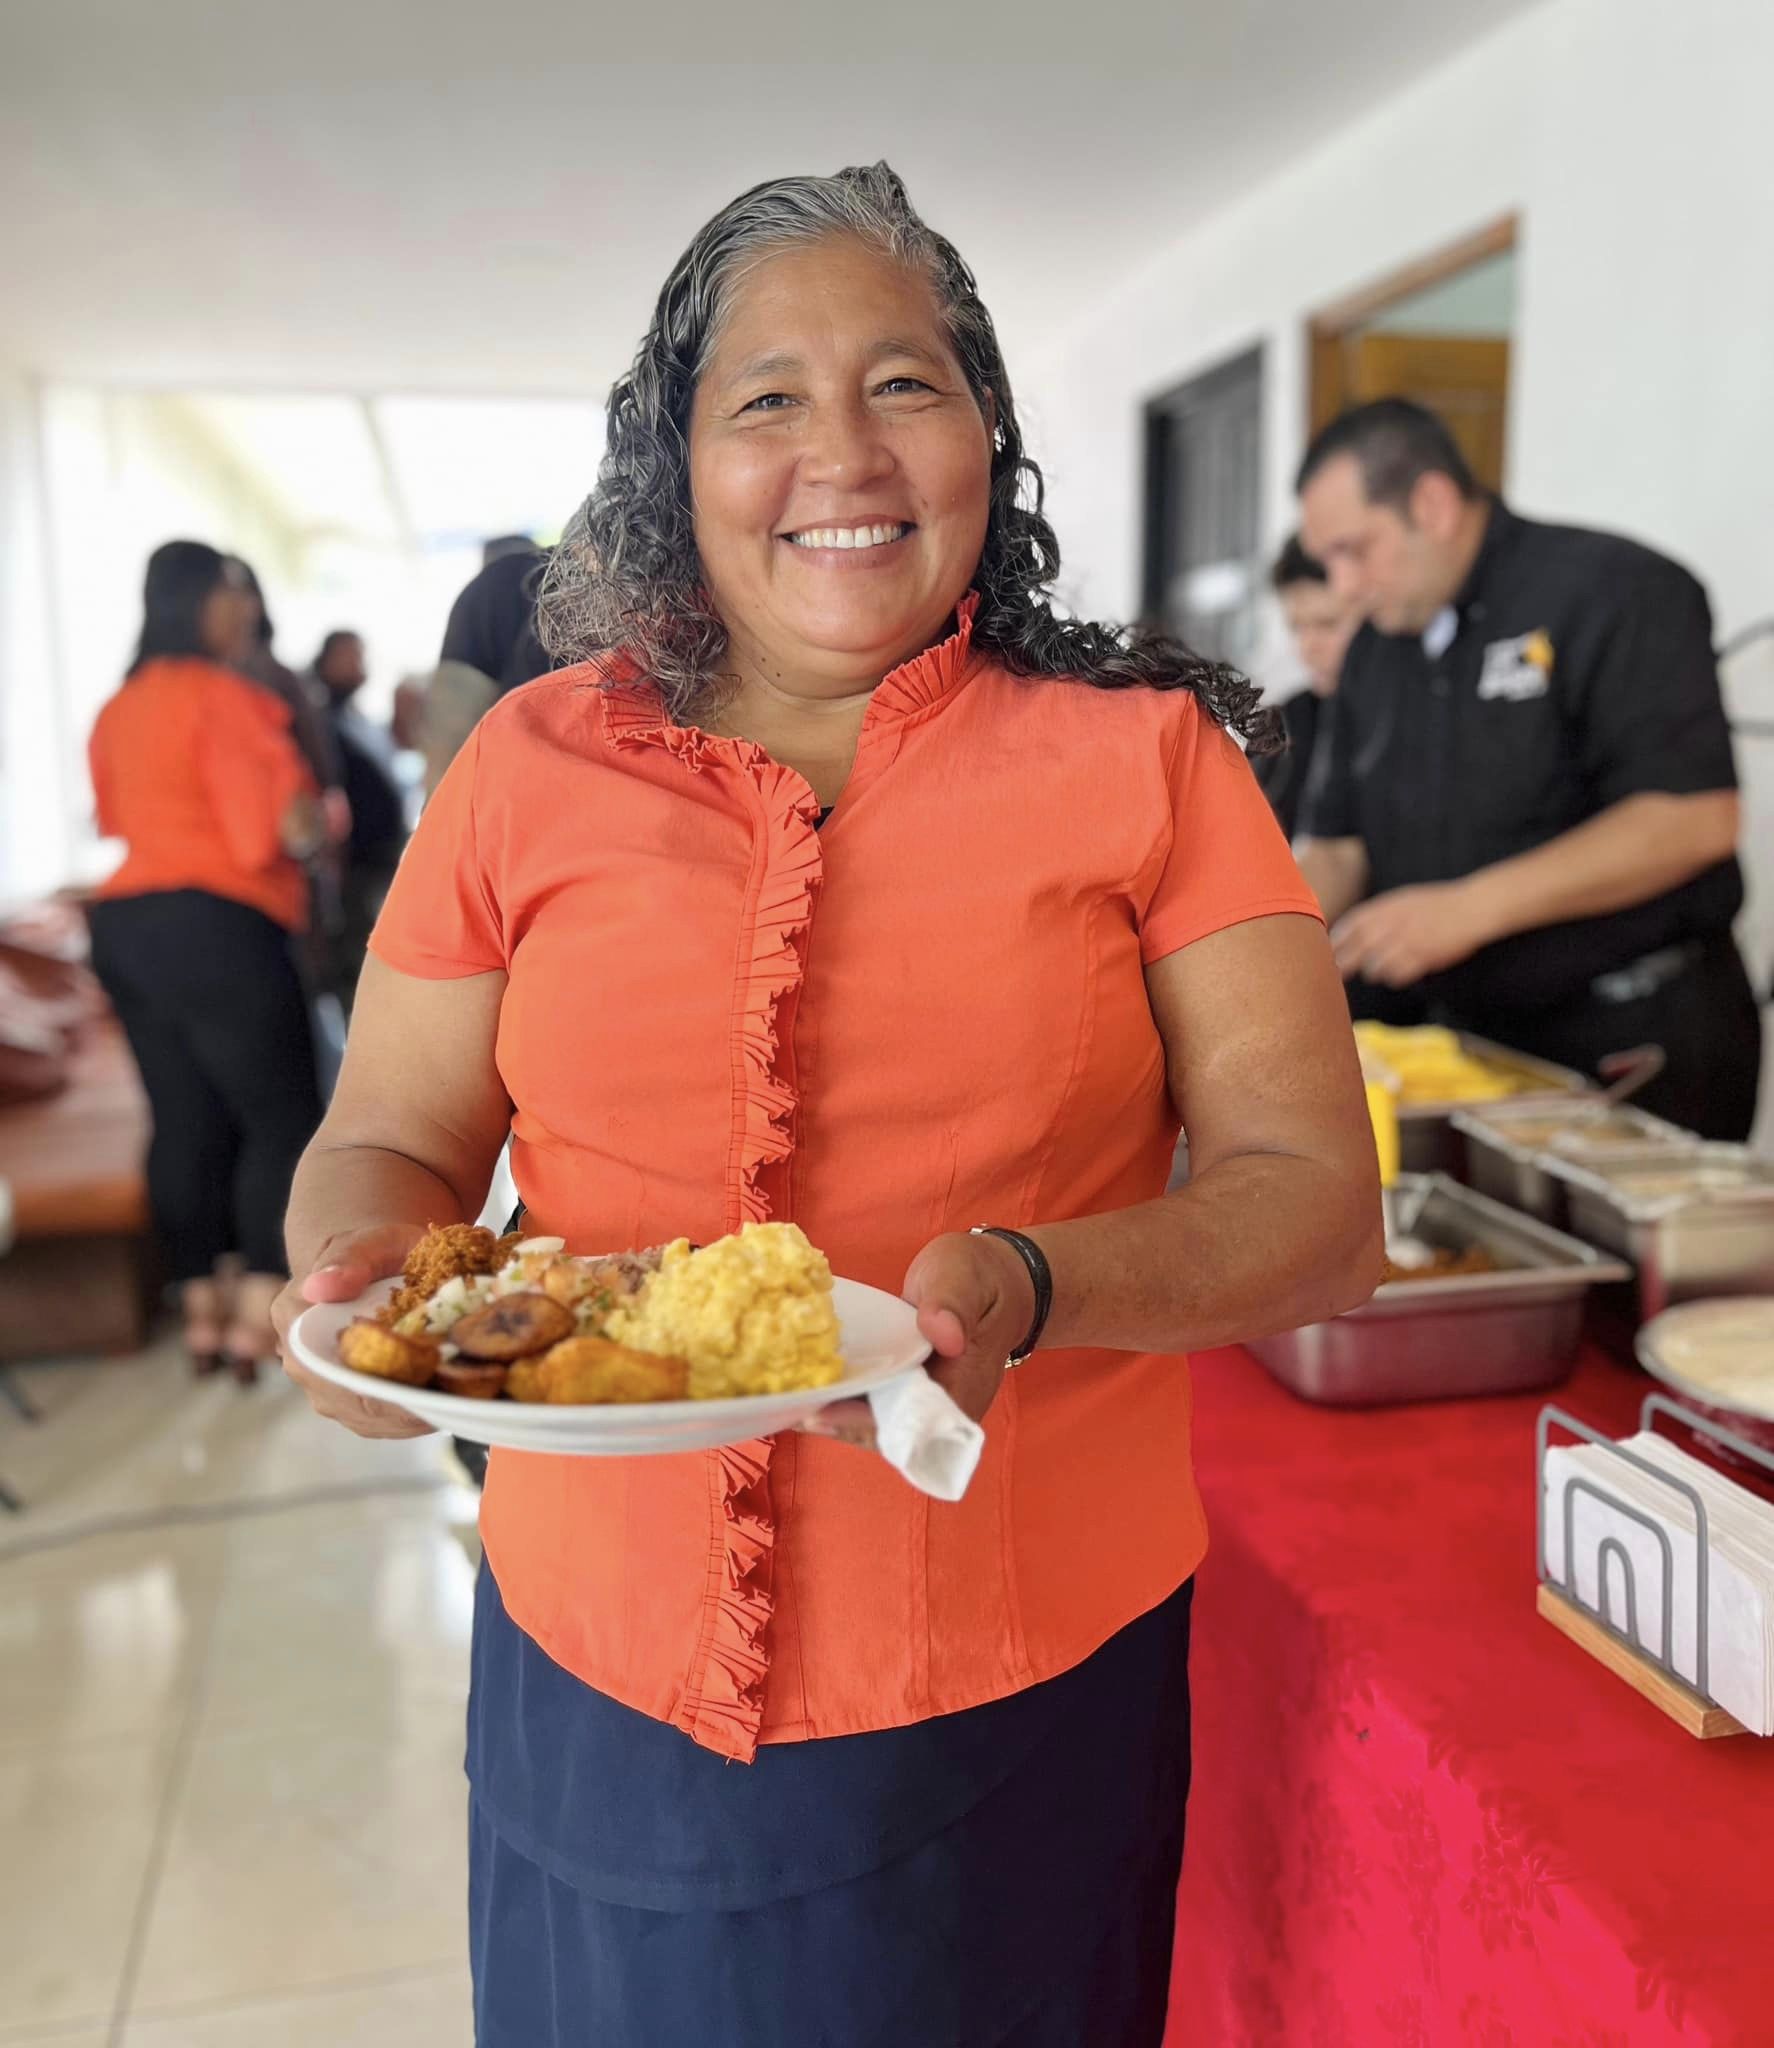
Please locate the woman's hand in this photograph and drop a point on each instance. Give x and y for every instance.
(975, 1302)
(344, 1266)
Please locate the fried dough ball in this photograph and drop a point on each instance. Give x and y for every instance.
(470, 1378)
(526, 1379)
(592, 1371)
(370, 1347)
(514, 1326)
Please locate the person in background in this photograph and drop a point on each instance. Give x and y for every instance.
(301, 695)
(372, 848)
(194, 768)
(404, 720)
(1322, 623)
(311, 729)
(490, 645)
(1522, 819)
(847, 880)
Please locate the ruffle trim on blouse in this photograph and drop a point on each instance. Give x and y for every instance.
(784, 906)
(928, 677)
(723, 1706)
(729, 1703)
(727, 1710)
(634, 710)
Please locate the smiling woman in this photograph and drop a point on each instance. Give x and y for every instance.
(631, 574)
(843, 882)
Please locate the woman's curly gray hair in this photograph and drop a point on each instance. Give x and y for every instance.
(626, 575)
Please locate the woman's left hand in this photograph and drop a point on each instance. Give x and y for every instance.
(975, 1302)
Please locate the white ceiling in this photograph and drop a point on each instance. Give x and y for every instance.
(448, 195)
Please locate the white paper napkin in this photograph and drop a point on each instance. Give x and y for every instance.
(1740, 1588)
(925, 1437)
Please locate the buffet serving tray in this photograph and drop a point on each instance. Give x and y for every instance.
(1717, 1240)
(1506, 1156)
(1452, 1338)
(1427, 1139)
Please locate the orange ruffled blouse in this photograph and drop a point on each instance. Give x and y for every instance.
(195, 768)
(927, 1015)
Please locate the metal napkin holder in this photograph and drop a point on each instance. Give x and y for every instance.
(1669, 1685)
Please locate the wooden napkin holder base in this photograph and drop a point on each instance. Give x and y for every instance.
(1622, 1651)
(1683, 1705)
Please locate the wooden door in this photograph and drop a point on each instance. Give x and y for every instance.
(1464, 378)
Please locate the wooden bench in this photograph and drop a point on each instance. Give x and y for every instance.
(78, 1275)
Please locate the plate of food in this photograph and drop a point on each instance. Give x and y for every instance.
(514, 1341)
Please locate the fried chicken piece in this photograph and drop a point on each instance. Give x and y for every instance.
(446, 1251)
(592, 1371)
(372, 1348)
(470, 1378)
(579, 1284)
(514, 1326)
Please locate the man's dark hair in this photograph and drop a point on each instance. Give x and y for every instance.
(1395, 442)
(335, 640)
(1293, 565)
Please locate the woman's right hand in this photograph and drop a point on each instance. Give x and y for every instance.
(344, 1266)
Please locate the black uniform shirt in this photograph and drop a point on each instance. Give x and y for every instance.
(1580, 672)
(1282, 777)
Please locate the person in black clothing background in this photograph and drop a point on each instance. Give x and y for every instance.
(1522, 817)
(490, 645)
(372, 848)
(1322, 622)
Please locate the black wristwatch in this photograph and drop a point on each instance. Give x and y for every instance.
(1040, 1272)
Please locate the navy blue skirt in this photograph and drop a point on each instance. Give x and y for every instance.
(999, 1878)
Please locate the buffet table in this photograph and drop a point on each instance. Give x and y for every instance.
(1420, 1816)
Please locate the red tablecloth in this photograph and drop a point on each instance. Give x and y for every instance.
(1420, 1816)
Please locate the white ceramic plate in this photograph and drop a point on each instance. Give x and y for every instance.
(1719, 1351)
(878, 1332)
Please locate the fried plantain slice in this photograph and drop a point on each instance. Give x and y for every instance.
(595, 1372)
(367, 1347)
(514, 1326)
(472, 1378)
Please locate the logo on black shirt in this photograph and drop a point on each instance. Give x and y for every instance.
(1517, 669)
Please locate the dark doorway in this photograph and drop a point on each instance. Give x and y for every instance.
(1204, 479)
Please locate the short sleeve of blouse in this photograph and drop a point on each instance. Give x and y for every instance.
(1227, 860)
(441, 920)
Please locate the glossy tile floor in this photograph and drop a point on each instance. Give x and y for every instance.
(233, 1658)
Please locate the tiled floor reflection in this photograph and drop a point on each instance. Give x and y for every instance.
(233, 1656)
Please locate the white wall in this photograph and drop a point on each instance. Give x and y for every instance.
(33, 758)
(1633, 140)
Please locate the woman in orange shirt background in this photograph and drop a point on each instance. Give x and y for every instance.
(845, 881)
(193, 767)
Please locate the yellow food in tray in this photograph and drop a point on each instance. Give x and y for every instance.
(1429, 1064)
(752, 1314)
